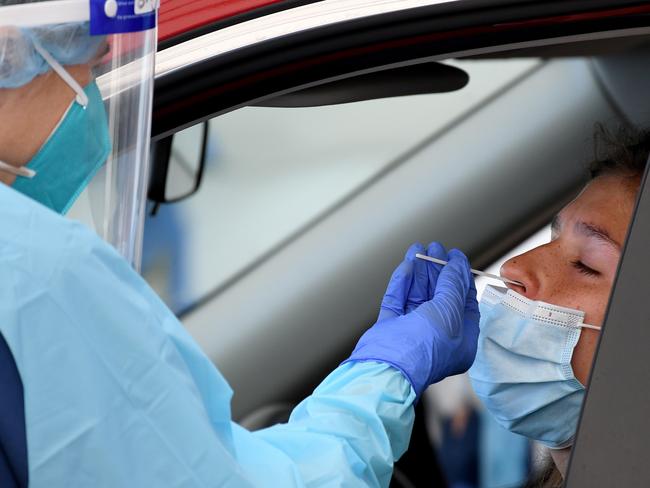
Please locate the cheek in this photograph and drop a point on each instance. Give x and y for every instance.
(583, 355)
(594, 303)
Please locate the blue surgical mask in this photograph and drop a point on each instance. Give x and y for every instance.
(522, 372)
(71, 157)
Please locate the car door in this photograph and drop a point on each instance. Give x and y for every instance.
(215, 68)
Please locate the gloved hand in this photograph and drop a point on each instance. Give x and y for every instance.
(428, 322)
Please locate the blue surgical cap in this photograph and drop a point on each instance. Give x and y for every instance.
(68, 43)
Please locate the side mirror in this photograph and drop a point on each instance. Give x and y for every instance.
(177, 165)
(178, 160)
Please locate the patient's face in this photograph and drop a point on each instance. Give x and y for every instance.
(576, 268)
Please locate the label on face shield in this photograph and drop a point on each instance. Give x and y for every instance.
(120, 16)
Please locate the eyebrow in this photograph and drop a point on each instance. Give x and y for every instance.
(589, 230)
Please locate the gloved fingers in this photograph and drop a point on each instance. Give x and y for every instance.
(451, 291)
(455, 275)
(471, 303)
(394, 301)
(472, 317)
(419, 291)
(435, 250)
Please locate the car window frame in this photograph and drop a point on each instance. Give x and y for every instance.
(220, 83)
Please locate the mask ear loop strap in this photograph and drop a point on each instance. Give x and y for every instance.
(82, 98)
(592, 327)
(17, 171)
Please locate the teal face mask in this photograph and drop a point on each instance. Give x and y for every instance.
(71, 157)
(522, 372)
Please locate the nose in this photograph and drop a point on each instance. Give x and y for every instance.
(522, 268)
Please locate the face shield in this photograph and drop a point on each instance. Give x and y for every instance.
(79, 143)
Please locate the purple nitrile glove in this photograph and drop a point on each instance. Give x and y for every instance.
(428, 322)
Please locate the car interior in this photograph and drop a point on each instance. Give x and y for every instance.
(300, 203)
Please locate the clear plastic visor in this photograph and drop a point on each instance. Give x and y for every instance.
(45, 47)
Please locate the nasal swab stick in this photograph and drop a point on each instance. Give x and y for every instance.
(474, 271)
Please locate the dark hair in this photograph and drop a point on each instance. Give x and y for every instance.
(623, 152)
(547, 477)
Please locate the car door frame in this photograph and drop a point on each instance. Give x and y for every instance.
(188, 92)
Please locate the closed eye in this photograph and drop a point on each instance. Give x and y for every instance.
(584, 269)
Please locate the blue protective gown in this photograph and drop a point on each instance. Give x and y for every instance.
(116, 393)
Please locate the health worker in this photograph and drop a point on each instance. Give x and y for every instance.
(101, 385)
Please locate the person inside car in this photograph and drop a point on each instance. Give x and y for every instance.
(534, 359)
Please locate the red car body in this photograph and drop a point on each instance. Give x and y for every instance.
(179, 16)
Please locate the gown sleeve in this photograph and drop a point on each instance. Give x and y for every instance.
(117, 393)
(348, 432)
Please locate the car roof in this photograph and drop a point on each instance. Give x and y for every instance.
(179, 20)
(177, 17)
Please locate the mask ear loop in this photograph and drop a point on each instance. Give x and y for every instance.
(82, 98)
(592, 327)
(17, 171)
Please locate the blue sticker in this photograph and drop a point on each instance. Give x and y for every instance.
(119, 16)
